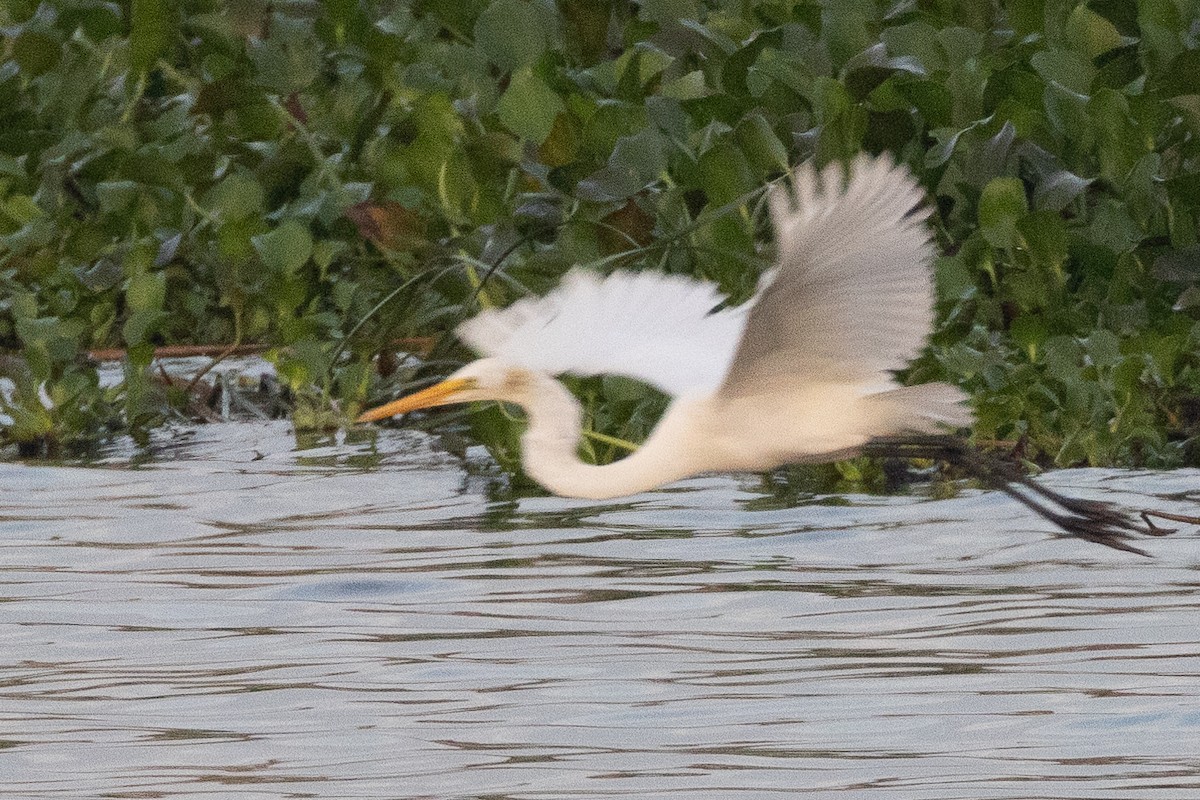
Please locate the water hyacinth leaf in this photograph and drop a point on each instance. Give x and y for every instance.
(1029, 331)
(1119, 68)
(760, 144)
(1179, 266)
(140, 326)
(21, 208)
(686, 87)
(727, 174)
(993, 158)
(736, 69)
(561, 145)
(1068, 69)
(150, 30)
(952, 278)
(1001, 205)
(627, 228)
(846, 28)
(873, 66)
(1189, 298)
(146, 291)
(1121, 14)
(1189, 105)
(116, 198)
(35, 49)
(529, 107)
(238, 195)
(1056, 191)
(1112, 227)
(288, 60)
(636, 161)
(585, 26)
(1181, 77)
(843, 122)
(1044, 235)
(918, 41)
(960, 44)
(1090, 33)
(664, 12)
(947, 141)
(1062, 356)
(510, 33)
(1026, 16)
(51, 339)
(1103, 348)
(285, 249)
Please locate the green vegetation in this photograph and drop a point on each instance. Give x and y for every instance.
(326, 178)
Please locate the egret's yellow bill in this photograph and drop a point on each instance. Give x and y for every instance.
(436, 395)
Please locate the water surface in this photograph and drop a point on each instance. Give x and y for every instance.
(239, 617)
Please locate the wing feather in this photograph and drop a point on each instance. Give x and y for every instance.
(657, 328)
(852, 298)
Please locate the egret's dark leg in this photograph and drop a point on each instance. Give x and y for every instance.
(1092, 520)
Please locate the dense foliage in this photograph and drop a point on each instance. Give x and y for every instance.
(329, 177)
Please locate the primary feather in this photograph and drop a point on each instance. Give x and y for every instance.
(852, 298)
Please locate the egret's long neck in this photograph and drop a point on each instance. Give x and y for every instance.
(550, 451)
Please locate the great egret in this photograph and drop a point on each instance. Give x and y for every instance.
(802, 373)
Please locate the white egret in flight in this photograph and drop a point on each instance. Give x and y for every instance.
(802, 373)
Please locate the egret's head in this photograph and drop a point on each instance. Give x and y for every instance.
(485, 379)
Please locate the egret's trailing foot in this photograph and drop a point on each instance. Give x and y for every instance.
(1092, 520)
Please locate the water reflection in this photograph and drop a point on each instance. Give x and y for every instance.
(239, 617)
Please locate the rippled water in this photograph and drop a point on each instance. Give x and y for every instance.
(241, 618)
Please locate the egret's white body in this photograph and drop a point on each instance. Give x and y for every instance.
(803, 372)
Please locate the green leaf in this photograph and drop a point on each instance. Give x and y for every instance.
(1103, 348)
(1001, 205)
(151, 25)
(846, 28)
(238, 195)
(1029, 331)
(36, 52)
(586, 28)
(1068, 69)
(511, 34)
(528, 107)
(1089, 33)
(1045, 237)
(285, 249)
(54, 338)
(727, 174)
(636, 161)
(289, 59)
(1179, 266)
(665, 12)
(21, 208)
(116, 197)
(146, 291)
(1181, 77)
(760, 144)
(1062, 356)
(1058, 189)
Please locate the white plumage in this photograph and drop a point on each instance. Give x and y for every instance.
(660, 329)
(802, 372)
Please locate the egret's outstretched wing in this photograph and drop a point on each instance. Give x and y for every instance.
(660, 329)
(852, 298)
